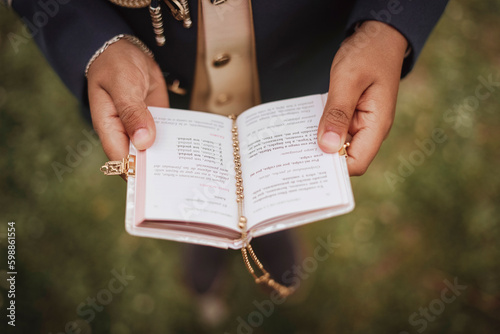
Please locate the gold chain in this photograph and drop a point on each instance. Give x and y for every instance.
(178, 8)
(131, 3)
(265, 278)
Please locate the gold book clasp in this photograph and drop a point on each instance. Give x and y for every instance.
(124, 167)
(343, 150)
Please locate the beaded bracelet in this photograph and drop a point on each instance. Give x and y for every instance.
(134, 40)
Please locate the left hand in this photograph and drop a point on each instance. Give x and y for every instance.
(364, 82)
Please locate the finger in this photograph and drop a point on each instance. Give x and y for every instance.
(369, 128)
(341, 103)
(360, 154)
(107, 124)
(129, 95)
(138, 123)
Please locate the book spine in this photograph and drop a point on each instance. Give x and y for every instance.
(246, 249)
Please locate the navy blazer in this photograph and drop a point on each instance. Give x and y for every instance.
(295, 40)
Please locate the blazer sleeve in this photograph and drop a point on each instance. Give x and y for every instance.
(413, 19)
(69, 32)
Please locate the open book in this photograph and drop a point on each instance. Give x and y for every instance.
(186, 187)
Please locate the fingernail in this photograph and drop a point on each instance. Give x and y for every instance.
(141, 138)
(330, 142)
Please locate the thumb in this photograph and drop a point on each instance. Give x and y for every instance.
(138, 122)
(340, 105)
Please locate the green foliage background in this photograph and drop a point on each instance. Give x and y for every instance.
(396, 249)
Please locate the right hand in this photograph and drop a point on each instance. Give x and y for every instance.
(122, 82)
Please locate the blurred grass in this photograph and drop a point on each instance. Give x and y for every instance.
(396, 248)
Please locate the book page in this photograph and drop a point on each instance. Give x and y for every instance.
(190, 169)
(284, 170)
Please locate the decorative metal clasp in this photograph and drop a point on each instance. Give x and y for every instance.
(156, 18)
(124, 167)
(180, 11)
(343, 150)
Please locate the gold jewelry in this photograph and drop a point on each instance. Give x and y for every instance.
(156, 18)
(178, 8)
(265, 278)
(180, 11)
(131, 3)
(132, 39)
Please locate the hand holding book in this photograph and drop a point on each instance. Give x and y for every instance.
(212, 180)
(364, 81)
(186, 188)
(122, 82)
